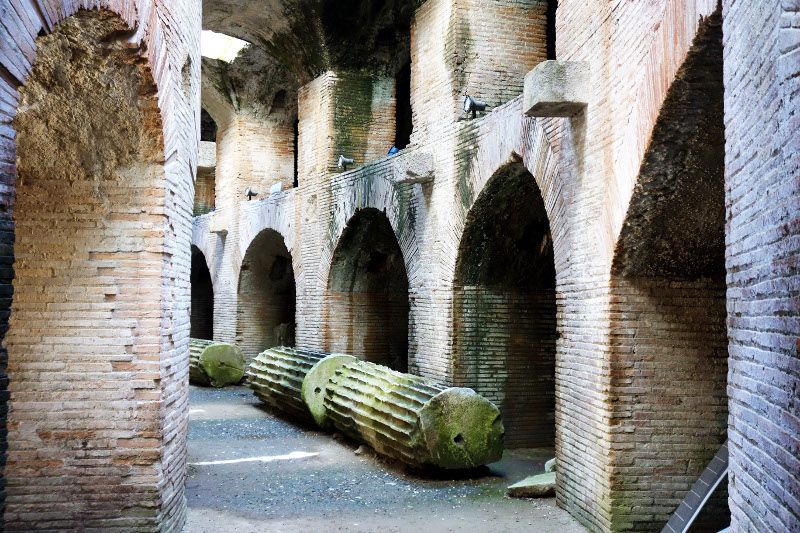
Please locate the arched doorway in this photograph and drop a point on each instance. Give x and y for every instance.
(202, 317)
(266, 296)
(669, 345)
(504, 307)
(367, 297)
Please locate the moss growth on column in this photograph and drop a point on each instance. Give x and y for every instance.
(216, 364)
(315, 383)
(413, 419)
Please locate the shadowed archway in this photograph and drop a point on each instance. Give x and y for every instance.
(669, 345)
(504, 307)
(266, 296)
(202, 316)
(366, 311)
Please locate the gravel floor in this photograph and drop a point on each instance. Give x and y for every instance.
(305, 480)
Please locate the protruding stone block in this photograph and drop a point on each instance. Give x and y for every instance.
(416, 167)
(219, 223)
(539, 486)
(557, 89)
(215, 363)
(550, 466)
(207, 157)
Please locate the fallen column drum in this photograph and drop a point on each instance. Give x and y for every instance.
(414, 419)
(401, 416)
(217, 364)
(293, 381)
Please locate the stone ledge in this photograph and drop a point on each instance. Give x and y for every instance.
(219, 223)
(556, 89)
(538, 486)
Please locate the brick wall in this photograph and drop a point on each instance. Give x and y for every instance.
(670, 410)
(470, 46)
(344, 113)
(204, 192)
(97, 366)
(761, 102)
(505, 350)
(253, 152)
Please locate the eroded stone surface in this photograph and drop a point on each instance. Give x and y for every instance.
(538, 486)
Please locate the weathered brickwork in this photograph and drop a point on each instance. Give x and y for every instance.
(204, 192)
(366, 300)
(638, 350)
(504, 349)
(762, 90)
(99, 320)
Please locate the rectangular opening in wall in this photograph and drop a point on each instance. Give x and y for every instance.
(403, 121)
(296, 181)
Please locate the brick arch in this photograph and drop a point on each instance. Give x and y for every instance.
(504, 307)
(202, 312)
(381, 194)
(672, 41)
(149, 493)
(276, 213)
(266, 295)
(522, 141)
(668, 335)
(366, 299)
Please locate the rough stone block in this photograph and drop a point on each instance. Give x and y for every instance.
(556, 89)
(219, 223)
(414, 168)
(538, 486)
(207, 157)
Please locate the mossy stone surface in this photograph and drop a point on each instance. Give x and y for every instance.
(313, 390)
(223, 364)
(462, 429)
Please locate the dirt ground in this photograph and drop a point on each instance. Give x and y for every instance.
(250, 470)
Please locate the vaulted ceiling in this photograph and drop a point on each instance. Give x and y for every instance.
(311, 36)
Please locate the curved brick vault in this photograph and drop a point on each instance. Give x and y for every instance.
(266, 296)
(367, 293)
(668, 303)
(504, 307)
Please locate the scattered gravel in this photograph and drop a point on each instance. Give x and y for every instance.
(303, 480)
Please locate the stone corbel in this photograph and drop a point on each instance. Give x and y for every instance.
(557, 89)
(219, 223)
(416, 167)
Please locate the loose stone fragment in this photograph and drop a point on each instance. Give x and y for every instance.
(217, 364)
(550, 466)
(538, 486)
